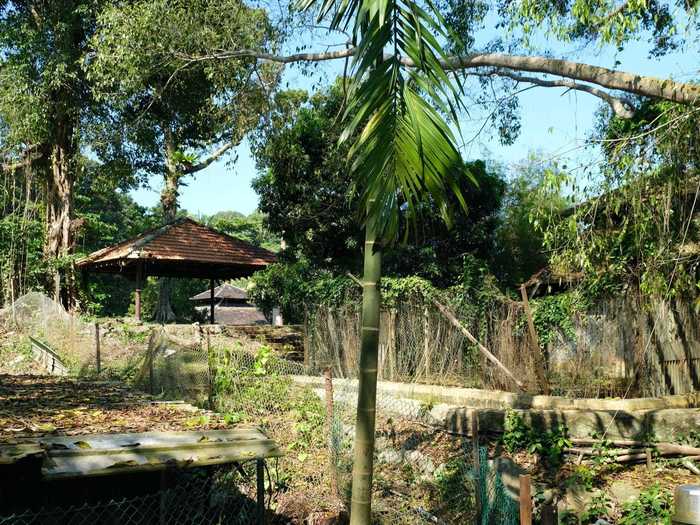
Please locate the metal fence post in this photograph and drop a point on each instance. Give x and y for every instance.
(477, 463)
(260, 470)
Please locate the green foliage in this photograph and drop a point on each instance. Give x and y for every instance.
(600, 507)
(309, 199)
(516, 434)
(283, 285)
(653, 506)
(583, 477)
(634, 227)
(550, 445)
(554, 314)
(250, 228)
(600, 21)
(180, 293)
(403, 152)
(455, 484)
(531, 202)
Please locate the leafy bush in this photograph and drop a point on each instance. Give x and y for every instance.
(550, 445)
(516, 434)
(653, 506)
(599, 508)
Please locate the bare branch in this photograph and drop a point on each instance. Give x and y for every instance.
(194, 168)
(622, 107)
(680, 92)
(667, 89)
(612, 14)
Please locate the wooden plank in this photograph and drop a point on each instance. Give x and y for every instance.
(48, 357)
(107, 454)
(535, 345)
(457, 324)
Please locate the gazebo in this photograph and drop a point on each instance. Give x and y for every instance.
(182, 248)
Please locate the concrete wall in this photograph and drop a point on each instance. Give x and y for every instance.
(665, 418)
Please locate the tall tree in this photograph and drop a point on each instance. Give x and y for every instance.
(43, 97)
(307, 196)
(405, 154)
(177, 125)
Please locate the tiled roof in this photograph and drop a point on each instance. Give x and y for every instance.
(182, 241)
(236, 315)
(223, 291)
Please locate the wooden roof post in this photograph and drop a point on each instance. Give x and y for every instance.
(211, 301)
(137, 298)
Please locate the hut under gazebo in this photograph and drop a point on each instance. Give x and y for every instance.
(231, 306)
(183, 248)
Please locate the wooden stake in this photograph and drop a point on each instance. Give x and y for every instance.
(477, 463)
(535, 345)
(260, 475)
(211, 301)
(137, 297)
(650, 466)
(525, 500)
(328, 376)
(98, 363)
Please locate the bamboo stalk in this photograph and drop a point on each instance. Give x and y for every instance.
(361, 500)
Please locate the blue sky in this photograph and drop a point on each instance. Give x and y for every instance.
(555, 123)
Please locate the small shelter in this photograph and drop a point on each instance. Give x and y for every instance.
(182, 248)
(231, 306)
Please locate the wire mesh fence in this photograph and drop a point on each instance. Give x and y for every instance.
(422, 473)
(84, 346)
(196, 497)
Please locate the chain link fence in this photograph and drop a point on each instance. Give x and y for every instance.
(194, 497)
(422, 473)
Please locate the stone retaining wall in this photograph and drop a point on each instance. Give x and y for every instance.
(665, 418)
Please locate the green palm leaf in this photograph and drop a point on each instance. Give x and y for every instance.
(406, 152)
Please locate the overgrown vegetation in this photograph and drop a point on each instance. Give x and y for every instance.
(549, 445)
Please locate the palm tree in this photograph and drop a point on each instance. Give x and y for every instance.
(406, 153)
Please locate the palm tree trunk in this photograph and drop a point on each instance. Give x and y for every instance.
(360, 509)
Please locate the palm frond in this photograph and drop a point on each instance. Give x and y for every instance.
(406, 151)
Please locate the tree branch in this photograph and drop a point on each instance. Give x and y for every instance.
(622, 107)
(667, 89)
(682, 93)
(194, 168)
(28, 157)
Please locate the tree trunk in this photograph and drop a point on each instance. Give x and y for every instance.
(168, 200)
(164, 311)
(360, 510)
(60, 234)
